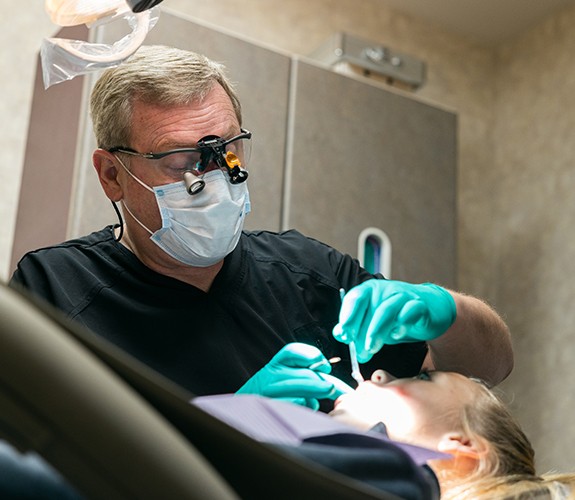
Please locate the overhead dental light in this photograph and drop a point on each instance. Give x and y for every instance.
(64, 59)
(74, 12)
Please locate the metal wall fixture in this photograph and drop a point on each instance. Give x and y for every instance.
(371, 57)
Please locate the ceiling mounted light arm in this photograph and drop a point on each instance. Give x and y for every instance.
(142, 5)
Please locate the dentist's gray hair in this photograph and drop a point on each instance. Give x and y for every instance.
(156, 75)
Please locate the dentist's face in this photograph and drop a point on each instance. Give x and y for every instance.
(416, 410)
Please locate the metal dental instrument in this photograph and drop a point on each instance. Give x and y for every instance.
(355, 373)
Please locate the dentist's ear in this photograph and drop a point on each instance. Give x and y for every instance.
(106, 166)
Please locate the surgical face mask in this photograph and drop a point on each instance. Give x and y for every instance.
(202, 229)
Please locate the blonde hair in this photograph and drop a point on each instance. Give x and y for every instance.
(506, 468)
(546, 487)
(155, 74)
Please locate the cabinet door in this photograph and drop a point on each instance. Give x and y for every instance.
(366, 156)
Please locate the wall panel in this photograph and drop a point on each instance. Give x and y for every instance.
(366, 156)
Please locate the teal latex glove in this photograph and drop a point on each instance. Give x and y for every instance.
(288, 376)
(379, 312)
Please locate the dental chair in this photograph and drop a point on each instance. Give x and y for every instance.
(115, 429)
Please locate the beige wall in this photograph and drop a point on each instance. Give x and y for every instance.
(22, 27)
(515, 178)
(533, 239)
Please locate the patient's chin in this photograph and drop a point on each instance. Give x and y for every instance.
(345, 417)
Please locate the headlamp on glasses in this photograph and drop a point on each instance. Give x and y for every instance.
(213, 148)
(192, 163)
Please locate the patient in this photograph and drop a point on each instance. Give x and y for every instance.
(492, 457)
(486, 454)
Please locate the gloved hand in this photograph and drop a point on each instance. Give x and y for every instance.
(288, 376)
(379, 312)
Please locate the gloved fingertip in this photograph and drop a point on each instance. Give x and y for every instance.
(312, 404)
(364, 356)
(336, 393)
(412, 312)
(338, 387)
(339, 333)
(324, 368)
(399, 331)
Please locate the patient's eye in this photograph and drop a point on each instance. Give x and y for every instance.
(424, 375)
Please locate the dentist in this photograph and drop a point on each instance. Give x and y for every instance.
(179, 285)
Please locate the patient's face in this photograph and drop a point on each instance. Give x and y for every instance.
(416, 410)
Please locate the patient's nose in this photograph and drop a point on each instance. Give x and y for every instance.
(381, 377)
